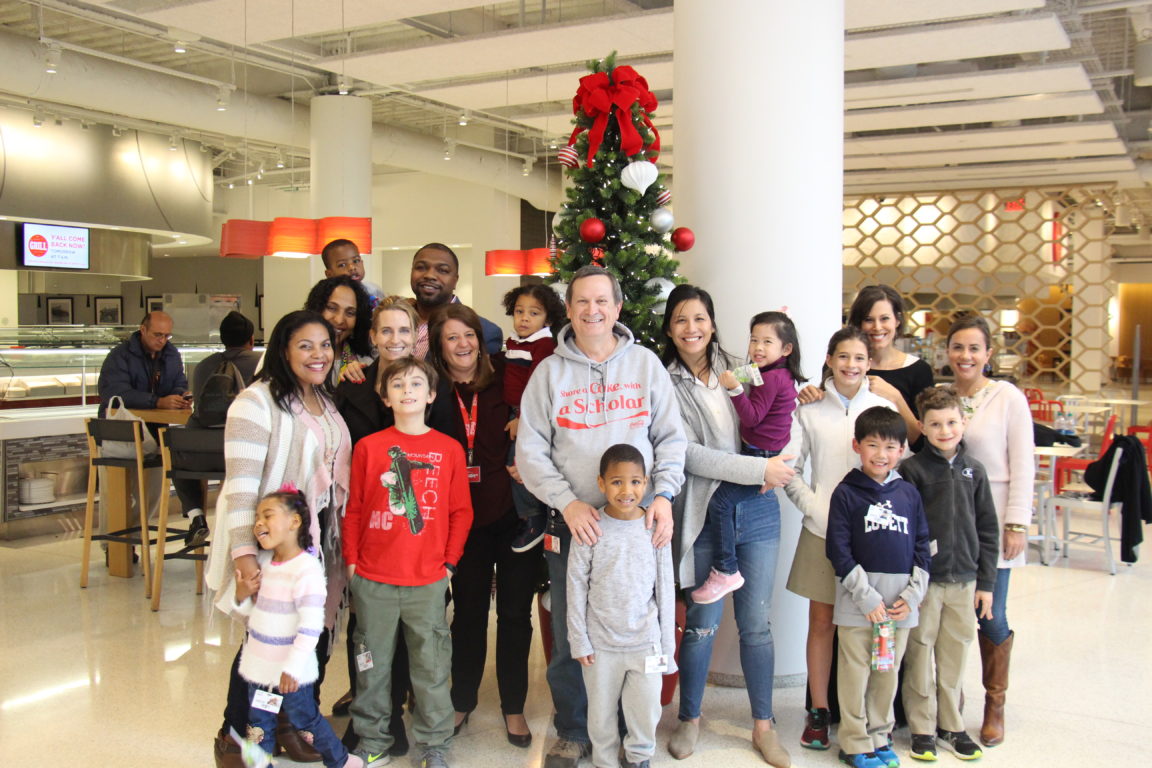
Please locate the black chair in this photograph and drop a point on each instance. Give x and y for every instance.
(101, 431)
(186, 447)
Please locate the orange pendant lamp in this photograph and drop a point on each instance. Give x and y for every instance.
(292, 238)
(534, 261)
(358, 229)
(244, 239)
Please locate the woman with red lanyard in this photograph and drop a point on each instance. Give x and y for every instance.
(456, 348)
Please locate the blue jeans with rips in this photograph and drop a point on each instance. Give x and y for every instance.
(756, 526)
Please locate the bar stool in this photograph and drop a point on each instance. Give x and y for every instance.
(101, 431)
(189, 445)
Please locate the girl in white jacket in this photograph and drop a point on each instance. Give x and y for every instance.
(823, 445)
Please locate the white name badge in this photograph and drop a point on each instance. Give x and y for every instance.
(267, 701)
(364, 661)
(656, 663)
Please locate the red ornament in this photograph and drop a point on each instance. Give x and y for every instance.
(664, 197)
(592, 230)
(683, 238)
(568, 157)
(598, 256)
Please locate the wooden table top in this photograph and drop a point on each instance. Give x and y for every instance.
(163, 415)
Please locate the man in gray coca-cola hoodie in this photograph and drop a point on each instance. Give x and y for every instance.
(599, 388)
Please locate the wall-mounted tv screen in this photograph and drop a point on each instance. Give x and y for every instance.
(48, 246)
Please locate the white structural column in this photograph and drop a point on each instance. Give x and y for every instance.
(341, 185)
(759, 177)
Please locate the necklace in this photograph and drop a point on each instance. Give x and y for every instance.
(972, 402)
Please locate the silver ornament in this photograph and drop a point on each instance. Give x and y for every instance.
(662, 220)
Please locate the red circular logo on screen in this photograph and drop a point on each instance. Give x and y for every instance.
(37, 245)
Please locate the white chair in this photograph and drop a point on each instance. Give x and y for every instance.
(1069, 504)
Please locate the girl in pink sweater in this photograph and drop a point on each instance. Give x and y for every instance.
(283, 605)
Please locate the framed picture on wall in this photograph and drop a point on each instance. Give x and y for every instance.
(109, 310)
(153, 303)
(59, 310)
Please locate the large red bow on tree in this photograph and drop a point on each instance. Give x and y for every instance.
(598, 95)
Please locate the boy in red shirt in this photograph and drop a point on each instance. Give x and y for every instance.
(408, 515)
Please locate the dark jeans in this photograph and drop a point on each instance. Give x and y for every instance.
(236, 708)
(489, 548)
(527, 505)
(191, 492)
(720, 525)
(300, 709)
(565, 675)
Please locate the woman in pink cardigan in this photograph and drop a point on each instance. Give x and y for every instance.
(999, 435)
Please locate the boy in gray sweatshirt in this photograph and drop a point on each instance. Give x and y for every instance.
(621, 616)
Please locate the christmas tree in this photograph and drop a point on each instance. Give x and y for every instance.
(614, 214)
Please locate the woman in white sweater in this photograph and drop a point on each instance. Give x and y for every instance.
(283, 428)
(999, 435)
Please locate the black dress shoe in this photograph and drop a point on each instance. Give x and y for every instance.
(522, 740)
(462, 723)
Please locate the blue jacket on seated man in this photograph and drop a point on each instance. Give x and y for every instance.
(145, 370)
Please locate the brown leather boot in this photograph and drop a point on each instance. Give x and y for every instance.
(227, 752)
(995, 660)
(291, 743)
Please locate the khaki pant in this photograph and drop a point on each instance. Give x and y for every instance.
(865, 695)
(946, 630)
(382, 610)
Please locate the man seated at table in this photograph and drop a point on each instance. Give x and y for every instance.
(237, 334)
(146, 372)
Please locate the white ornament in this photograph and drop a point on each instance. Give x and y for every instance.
(662, 220)
(639, 175)
(663, 286)
(561, 289)
(561, 214)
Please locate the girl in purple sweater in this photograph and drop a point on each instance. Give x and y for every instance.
(765, 412)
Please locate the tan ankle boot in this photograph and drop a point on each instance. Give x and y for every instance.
(767, 743)
(995, 659)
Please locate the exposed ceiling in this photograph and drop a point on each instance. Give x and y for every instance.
(938, 94)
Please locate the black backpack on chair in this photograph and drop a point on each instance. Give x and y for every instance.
(219, 391)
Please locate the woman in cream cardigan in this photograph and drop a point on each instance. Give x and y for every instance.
(284, 428)
(999, 435)
(694, 359)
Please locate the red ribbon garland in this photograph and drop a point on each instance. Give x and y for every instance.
(597, 96)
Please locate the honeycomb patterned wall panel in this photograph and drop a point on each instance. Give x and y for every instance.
(1033, 261)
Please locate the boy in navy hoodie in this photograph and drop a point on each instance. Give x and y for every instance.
(878, 544)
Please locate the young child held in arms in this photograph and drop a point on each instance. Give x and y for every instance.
(536, 311)
(878, 545)
(621, 616)
(283, 605)
(765, 413)
(408, 515)
(965, 544)
(824, 444)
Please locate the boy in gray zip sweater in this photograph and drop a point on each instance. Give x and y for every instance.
(964, 538)
(622, 616)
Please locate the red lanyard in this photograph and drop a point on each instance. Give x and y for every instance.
(469, 422)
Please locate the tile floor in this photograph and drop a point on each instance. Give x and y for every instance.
(94, 677)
